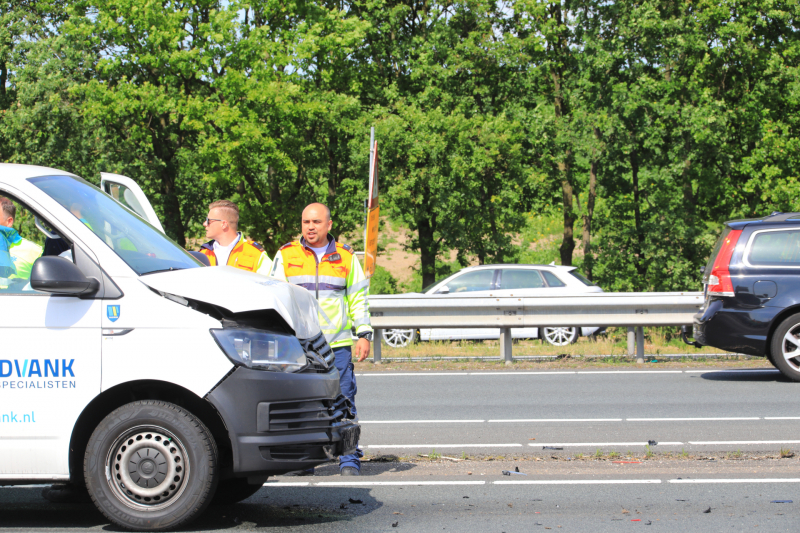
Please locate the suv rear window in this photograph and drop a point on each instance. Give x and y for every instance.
(781, 248)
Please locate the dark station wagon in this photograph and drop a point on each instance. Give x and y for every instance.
(752, 291)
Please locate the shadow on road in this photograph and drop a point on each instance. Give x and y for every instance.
(746, 376)
(24, 508)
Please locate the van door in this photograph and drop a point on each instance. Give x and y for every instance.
(128, 193)
(49, 372)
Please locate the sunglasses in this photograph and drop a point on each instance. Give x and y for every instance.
(210, 220)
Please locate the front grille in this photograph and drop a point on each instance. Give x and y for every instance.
(303, 415)
(294, 453)
(319, 346)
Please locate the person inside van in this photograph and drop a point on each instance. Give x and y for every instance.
(20, 253)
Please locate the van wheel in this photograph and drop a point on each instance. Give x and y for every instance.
(785, 347)
(151, 466)
(234, 490)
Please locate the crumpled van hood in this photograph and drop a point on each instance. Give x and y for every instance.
(239, 291)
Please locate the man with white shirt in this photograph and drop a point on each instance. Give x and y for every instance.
(227, 245)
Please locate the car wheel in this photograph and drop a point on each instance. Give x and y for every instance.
(151, 466)
(398, 338)
(560, 336)
(234, 490)
(785, 347)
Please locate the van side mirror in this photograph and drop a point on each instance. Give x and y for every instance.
(58, 275)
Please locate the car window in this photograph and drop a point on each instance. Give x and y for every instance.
(140, 245)
(478, 280)
(780, 248)
(521, 279)
(21, 244)
(583, 279)
(552, 279)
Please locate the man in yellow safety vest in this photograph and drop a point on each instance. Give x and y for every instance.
(227, 245)
(19, 253)
(332, 272)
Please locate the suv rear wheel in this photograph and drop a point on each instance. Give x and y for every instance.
(151, 466)
(785, 347)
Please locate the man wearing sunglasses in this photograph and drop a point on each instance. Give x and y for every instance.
(227, 245)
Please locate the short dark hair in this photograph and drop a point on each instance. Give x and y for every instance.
(9, 209)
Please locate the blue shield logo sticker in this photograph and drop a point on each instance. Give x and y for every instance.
(112, 311)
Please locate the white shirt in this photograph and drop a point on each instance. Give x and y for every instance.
(320, 251)
(224, 252)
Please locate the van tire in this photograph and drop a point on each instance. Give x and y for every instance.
(175, 452)
(780, 346)
(234, 490)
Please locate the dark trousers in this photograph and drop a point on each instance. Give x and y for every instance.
(347, 382)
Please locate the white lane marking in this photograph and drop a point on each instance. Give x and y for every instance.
(713, 442)
(630, 371)
(392, 483)
(521, 373)
(419, 421)
(691, 419)
(745, 480)
(560, 420)
(782, 418)
(576, 444)
(412, 374)
(578, 482)
(444, 446)
(285, 484)
(732, 370)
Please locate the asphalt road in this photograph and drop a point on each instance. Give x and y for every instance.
(500, 414)
(475, 508)
(580, 411)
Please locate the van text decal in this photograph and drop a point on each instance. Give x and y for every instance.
(36, 368)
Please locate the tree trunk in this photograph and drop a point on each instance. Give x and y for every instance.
(588, 258)
(638, 259)
(568, 241)
(427, 249)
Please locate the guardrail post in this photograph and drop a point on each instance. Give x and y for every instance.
(377, 336)
(631, 341)
(640, 344)
(505, 345)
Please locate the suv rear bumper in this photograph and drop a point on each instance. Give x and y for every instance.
(278, 422)
(724, 325)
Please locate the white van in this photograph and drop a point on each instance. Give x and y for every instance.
(156, 382)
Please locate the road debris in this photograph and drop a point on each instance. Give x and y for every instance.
(551, 448)
(395, 524)
(355, 501)
(509, 472)
(652, 443)
(707, 510)
(781, 501)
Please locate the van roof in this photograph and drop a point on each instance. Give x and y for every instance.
(11, 172)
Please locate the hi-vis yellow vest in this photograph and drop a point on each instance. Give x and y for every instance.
(337, 281)
(246, 255)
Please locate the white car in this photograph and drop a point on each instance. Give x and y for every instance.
(157, 383)
(504, 280)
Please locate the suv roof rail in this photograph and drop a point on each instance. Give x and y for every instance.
(777, 216)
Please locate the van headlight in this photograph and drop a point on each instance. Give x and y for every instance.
(261, 350)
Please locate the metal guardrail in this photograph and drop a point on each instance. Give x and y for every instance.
(634, 310)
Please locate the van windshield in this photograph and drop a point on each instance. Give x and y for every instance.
(140, 245)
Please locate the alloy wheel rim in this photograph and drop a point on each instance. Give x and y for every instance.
(560, 336)
(791, 347)
(398, 337)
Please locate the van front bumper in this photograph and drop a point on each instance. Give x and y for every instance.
(278, 422)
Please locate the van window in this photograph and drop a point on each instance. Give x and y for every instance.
(779, 248)
(145, 249)
(21, 244)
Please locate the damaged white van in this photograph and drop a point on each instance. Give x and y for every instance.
(158, 383)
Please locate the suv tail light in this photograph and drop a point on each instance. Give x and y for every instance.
(719, 280)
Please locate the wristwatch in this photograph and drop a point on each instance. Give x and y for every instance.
(366, 335)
